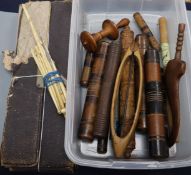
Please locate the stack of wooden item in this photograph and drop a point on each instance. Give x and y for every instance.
(132, 86)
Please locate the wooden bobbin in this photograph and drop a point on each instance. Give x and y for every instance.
(109, 29)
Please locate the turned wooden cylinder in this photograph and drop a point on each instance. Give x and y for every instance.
(109, 29)
(143, 44)
(146, 30)
(154, 106)
(86, 69)
(86, 130)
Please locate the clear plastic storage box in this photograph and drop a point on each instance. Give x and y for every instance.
(89, 15)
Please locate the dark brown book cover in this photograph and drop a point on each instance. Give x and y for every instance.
(21, 139)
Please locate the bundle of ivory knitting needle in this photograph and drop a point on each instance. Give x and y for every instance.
(52, 79)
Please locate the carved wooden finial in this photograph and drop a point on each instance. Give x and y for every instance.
(180, 38)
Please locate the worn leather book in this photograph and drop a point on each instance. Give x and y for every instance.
(52, 153)
(33, 137)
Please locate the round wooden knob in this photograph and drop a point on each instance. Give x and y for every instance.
(88, 41)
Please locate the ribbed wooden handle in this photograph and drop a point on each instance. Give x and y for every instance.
(181, 29)
(101, 127)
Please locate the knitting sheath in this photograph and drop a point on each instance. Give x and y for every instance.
(86, 130)
(104, 103)
(154, 106)
(126, 104)
(143, 44)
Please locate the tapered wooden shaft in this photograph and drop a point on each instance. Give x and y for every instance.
(146, 30)
(86, 69)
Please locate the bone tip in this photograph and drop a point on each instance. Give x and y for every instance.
(162, 19)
